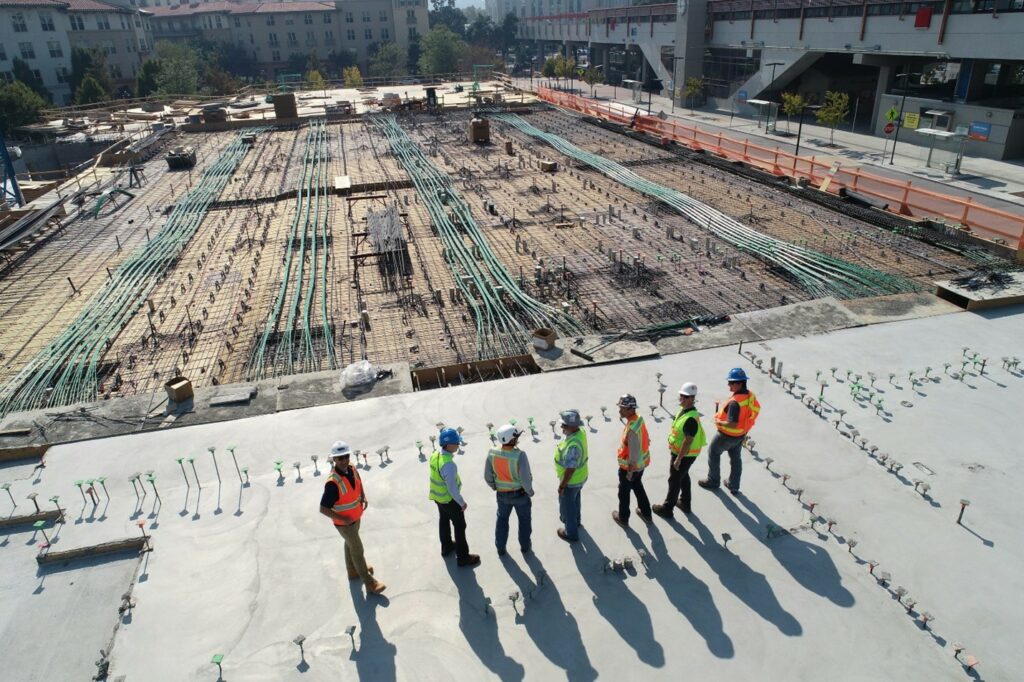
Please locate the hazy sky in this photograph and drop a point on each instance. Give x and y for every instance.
(461, 4)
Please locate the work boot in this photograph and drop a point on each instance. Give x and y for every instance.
(376, 587)
(645, 517)
(565, 536)
(469, 560)
(684, 507)
(501, 551)
(662, 510)
(616, 519)
(707, 484)
(447, 551)
(354, 575)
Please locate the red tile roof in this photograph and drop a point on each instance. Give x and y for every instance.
(284, 7)
(70, 5)
(227, 7)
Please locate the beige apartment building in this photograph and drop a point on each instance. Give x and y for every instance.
(272, 31)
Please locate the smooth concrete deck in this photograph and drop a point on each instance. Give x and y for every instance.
(243, 570)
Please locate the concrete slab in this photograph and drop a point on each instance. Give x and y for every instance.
(242, 570)
(985, 296)
(799, 319)
(561, 356)
(898, 307)
(729, 333)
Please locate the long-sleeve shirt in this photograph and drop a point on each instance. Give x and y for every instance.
(525, 476)
(635, 447)
(449, 472)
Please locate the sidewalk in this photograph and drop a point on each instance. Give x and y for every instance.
(989, 182)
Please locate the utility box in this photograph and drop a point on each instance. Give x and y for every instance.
(284, 105)
(544, 338)
(479, 131)
(549, 166)
(179, 389)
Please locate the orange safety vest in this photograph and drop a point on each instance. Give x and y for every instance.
(749, 409)
(637, 425)
(350, 498)
(505, 466)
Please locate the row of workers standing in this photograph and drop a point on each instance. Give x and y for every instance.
(507, 471)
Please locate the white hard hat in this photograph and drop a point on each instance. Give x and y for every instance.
(688, 389)
(340, 449)
(507, 433)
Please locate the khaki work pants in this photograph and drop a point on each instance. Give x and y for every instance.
(354, 559)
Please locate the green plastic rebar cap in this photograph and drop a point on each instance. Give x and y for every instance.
(217, 658)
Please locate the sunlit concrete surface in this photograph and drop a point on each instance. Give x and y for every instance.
(241, 571)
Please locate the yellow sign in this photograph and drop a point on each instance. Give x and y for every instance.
(911, 120)
(892, 115)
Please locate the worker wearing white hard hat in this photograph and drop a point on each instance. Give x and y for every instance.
(507, 472)
(344, 502)
(685, 441)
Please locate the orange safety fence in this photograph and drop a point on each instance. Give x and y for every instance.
(902, 197)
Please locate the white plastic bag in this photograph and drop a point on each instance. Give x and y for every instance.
(358, 373)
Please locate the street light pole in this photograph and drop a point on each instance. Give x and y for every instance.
(771, 83)
(899, 121)
(800, 127)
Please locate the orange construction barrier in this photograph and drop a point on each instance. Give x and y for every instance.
(902, 197)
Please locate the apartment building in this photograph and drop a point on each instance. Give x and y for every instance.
(273, 31)
(43, 33)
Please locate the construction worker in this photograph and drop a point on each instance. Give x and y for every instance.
(734, 420)
(446, 491)
(634, 456)
(343, 502)
(508, 473)
(571, 467)
(685, 441)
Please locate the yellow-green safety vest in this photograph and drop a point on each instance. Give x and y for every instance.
(676, 436)
(579, 476)
(438, 488)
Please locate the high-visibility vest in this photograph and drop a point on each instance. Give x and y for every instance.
(579, 475)
(676, 435)
(505, 466)
(749, 409)
(636, 425)
(438, 488)
(350, 498)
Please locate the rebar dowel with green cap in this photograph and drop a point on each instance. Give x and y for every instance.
(192, 463)
(56, 503)
(231, 449)
(152, 481)
(102, 480)
(80, 483)
(181, 463)
(213, 454)
(7, 487)
(40, 526)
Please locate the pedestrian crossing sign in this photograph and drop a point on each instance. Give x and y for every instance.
(892, 115)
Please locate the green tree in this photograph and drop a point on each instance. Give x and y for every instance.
(506, 33)
(694, 86)
(481, 32)
(388, 61)
(20, 104)
(592, 77)
(353, 77)
(338, 60)
(412, 57)
(179, 68)
(217, 81)
(445, 13)
(23, 72)
(548, 69)
(792, 104)
(146, 83)
(833, 111)
(440, 51)
(315, 80)
(90, 92)
(565, 67)
(235, 60)
(89, 62)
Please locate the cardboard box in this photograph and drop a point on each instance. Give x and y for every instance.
(544, 338)
(179, 389)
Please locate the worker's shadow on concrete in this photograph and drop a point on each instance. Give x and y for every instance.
(627, 615)
(810, 565)
(751, 587)
(553, 630)
(480, 627)
(375, 657)
(690, 596)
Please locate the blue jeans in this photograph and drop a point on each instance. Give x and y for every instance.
(570, 504)
(523, 505)
(733, 445)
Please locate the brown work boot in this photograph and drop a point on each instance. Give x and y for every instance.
(622, 522)
(376, 587)
(469, 560)
(354, 575)
(662, 510)
(645, 517)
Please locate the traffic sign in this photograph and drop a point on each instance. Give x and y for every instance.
(892, 114)
(889, 127)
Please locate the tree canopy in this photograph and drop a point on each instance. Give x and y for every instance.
(353, 77)
(146, 83)
(388, 61)
(20, 104)
(834, 111)
(440, 50)
(179, 69)
(90, 92)
(445, 13)
(89, 62)
(23, 72)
